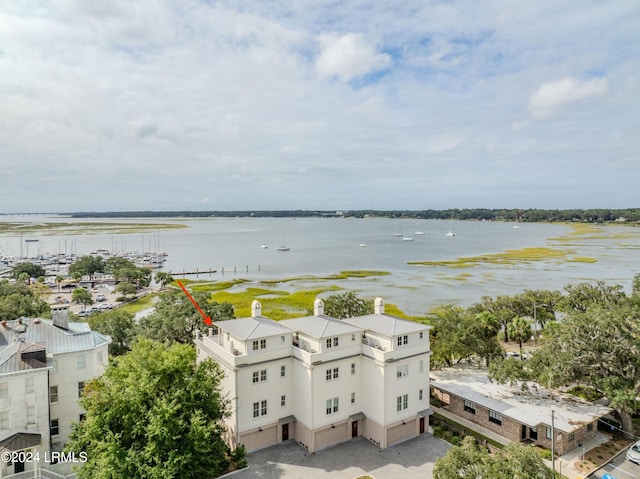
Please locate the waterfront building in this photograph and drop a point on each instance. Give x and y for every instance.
(44, 365)
(319, 380)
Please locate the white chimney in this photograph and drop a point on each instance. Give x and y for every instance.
(256, 309)
(60, 315)
(318, 307)
(378, 306)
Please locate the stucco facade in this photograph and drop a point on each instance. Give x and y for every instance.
(43, 367)
(321, 381)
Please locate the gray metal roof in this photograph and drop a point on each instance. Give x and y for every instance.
(320, 326)
(252, 328)
(386, 324)
(78, 336)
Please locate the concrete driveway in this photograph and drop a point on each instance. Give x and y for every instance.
(413, 459)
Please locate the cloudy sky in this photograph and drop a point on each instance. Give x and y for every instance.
(324, 104)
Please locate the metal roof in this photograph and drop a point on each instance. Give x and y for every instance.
(386, 324)
(252, 328)
(320, 326)
(531, 407)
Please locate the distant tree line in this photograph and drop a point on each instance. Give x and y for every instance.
(532, 215)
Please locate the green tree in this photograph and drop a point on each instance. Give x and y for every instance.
(582, 296)
(520, 331)
(125, 289)
(82, 296)
(87, 265)
(118, 324)
(76, 276)
(175, 319)
(31, 269)
(347, 305)
(163, 278)
(59, 280)
(470, 461)
(154, 413)
(18, 300)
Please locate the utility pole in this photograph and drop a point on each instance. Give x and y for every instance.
(553, 444)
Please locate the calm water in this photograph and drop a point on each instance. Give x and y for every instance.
(327, 246)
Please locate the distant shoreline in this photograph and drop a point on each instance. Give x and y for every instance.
(594, 215)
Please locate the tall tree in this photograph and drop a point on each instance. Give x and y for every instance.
(18, 300)
(31, 269)
(520, 331)
(163, 278)
(118, 324)
(347, 305)
(176, 319)
(470, 461)
(154, 413)
(87, 265)
(82, 296)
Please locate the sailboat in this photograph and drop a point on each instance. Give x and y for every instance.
(451, 233)
(363, 244)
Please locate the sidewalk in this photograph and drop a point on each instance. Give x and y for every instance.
(565, 464)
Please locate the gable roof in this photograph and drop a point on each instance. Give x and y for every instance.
(386, 324)
(321, 326)
(252, 328)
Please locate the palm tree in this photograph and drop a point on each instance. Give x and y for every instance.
(59, 279)
(520, 330)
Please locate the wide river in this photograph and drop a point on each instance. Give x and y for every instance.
(325, 246)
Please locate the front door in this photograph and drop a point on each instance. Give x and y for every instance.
(533, 434)
(523, 435)
(18, 466)
(285, 432)
(421, 425)
(354, 429)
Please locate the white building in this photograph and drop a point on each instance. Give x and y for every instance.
(320, 380)
(43, 368)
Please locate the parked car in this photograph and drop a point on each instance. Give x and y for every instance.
(633, 453)
(100, 297)
(83, 314)
(105, 306)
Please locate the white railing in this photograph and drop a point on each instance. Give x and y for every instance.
(39, 473)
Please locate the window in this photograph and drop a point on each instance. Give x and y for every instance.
(332, 406)
(590, 426)
(80, 388)
(353, 337)
(29, 388)
(4, 420)
(263, 375)
(495, 418)
(81, 362)
(260, 408)
(420, 395)
(335, 342)
(332, 373)
(55, 427)
(259, 376)
(283, 400)
(263, 344)
(402, 402)
(332, 342)
(53, 393)
(282, 339)
(353, 398)
(572, 436)
(255, 345)
(329, 342)
(31, 414)
(255, 377)
(421, 334)
(402, 371)
(403, 340)
(548, 435)
(4, 390)
(82, 417)
(469, 406)
(353, 368)
(283, 371)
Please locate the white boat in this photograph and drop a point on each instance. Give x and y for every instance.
(264, 246)
(284, 248)
(407, 238)
(419, 233)
(451, 233)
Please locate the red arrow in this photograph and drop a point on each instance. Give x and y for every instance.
(207, 319)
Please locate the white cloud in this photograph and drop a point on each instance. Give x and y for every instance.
(552, 95)
(348, 56)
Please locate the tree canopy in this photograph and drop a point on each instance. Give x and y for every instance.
(175, 318)
(154, 413)
(31, 269)
(347, 305)
(82, 296)
(87, 265)
(17, 300)
(471, 461)
(118, 324)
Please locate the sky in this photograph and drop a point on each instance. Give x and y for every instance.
(128, 105)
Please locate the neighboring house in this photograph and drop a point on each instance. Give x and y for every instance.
(515, 414)
(43, 368)
(319, 380)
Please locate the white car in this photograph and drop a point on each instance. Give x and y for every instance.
(105, 306)
(633, 454)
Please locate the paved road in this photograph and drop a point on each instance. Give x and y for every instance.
(413, 459)
(619, 468)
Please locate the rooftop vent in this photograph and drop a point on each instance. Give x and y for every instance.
(60, 315)
(256, 309)
(378, 306)
(318, 307)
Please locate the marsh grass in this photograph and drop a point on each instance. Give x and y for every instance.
(84, 228)
(509, 257)
(332, 277)
(140, 304)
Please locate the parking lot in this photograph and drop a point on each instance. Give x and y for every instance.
(618, 468)
(413, 459)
